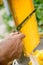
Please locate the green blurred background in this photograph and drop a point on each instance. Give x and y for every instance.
(39, 13)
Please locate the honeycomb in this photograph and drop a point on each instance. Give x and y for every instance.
(39, 56)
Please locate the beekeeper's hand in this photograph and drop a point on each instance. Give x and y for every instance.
(11, 47)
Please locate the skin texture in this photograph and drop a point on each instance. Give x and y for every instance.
(11, 47)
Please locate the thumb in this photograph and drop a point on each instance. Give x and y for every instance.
(21, 35)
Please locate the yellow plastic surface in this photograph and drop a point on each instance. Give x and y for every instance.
(21, 9)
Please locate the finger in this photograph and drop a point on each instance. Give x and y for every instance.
(20, 47)
(20, 36)
(15, 33)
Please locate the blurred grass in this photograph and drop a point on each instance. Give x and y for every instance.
(39, 13)
(1, 4)
(8, 20)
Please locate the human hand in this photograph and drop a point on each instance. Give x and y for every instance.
(12, 46)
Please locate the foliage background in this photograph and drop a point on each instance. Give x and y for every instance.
(39, 13)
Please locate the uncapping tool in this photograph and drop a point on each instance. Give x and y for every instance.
(23, 22)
